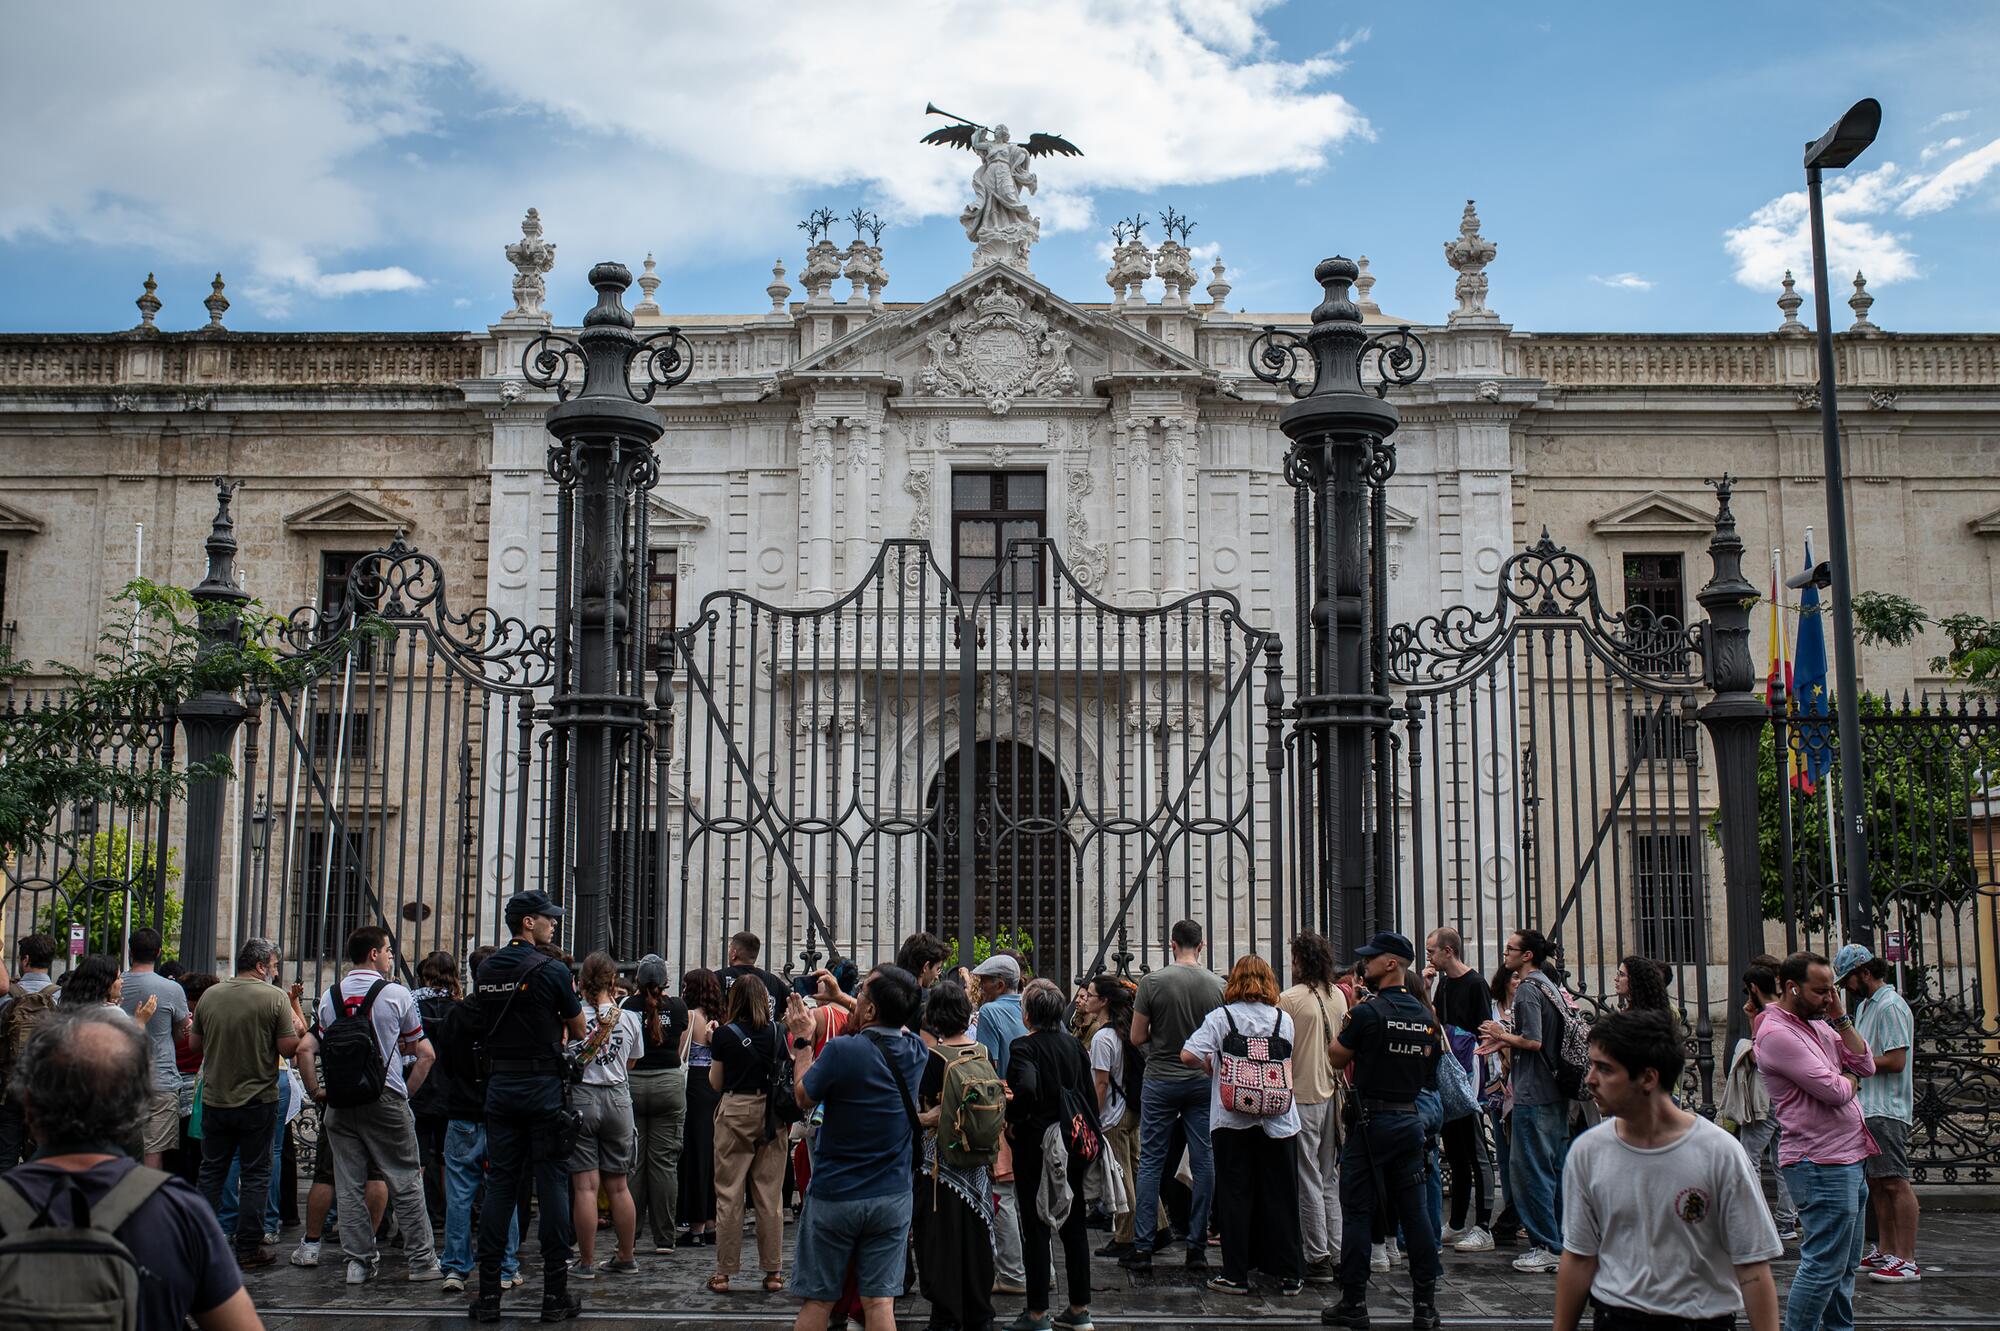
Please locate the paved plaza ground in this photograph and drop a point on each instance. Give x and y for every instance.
(1961, 1288)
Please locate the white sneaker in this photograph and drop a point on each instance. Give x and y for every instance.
(1897, 1271)
(1476, 1239)
(1395, 1252)
(1538, 1261)
(1452, 1234)
(360, 1273)
(272, 1238)
(424, 1274)
(514, 1281)
(307, 1253)
(1378, 1257)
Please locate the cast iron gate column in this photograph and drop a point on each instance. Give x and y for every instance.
(603, 465)
(210, 719)
(1340, 458)
(1735, 719)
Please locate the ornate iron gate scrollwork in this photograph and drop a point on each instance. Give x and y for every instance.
(1128, 756)
(1554, 776)
(405, 786)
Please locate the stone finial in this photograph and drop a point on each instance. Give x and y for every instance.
(1362, 286)
(533, 258)
(780, 291)
(1173, 264)
(1860, 302)
(217, 304)
(1789, 301)
(148, 303)
(1218, 284)
(1468, 255)
(649, 282)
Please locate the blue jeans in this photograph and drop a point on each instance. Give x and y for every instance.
(1833, 1202)
(273, 1221)
(1163, 1104)
(1541, 1143)
(464, 1172)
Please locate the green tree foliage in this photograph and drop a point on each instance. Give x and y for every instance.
(1003, 940)
(54, 754)
(107, 880)
(1890, 620)
(1920, 775)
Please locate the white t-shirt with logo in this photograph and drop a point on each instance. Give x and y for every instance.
(1668, 1225)
(611, 1064)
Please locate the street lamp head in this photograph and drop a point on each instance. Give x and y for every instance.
(260, 826)
(1849, 138)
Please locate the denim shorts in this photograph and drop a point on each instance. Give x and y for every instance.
(1892, 1136)
(869, 1232)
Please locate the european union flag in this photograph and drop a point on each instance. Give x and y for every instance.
(1813, 736)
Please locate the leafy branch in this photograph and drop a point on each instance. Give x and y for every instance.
(1889, 619)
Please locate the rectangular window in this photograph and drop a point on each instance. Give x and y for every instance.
(662, 601)
(989, 511)
(336, 570)
(1664, 897)
(1656, 610)
(329, 899)
(347, 736)
(1658, 732)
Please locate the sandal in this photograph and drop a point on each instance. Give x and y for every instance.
(718, 1283)
(774, 1282)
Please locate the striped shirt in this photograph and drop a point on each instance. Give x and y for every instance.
(1884, 1021)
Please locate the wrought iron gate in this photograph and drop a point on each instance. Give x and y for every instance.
(405, 786)
(1552, 779)
(1933, 832)
(1023, 764)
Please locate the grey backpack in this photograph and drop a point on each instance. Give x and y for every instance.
(56, 1277)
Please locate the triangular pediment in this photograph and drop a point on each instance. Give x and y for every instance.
(1396, 519)
(348, 512)
(1104, 340)
(1986, 526)
(14, 521)
(1654, 513)
(666, 516)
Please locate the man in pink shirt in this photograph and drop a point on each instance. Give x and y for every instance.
(1813, 1060)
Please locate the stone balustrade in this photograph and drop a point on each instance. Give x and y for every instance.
(230, 360)
(1752, 360)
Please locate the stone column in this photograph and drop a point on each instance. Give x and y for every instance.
(1140, 504)
(816, 477)
(856, 501)
(1175, 474)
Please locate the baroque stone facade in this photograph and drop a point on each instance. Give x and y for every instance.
(811, 432)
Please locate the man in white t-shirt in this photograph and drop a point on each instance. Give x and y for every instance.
(384, 1132)
(1663, 1216)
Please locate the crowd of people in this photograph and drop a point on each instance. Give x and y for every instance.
(959, 1133)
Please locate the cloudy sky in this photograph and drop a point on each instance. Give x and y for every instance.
(361, 166)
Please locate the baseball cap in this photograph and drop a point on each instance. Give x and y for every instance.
(1850, 959)
(1000, 966)
(1391, 944)
(523, 904)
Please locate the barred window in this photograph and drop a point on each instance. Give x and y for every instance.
(989, 511)
(1665, 901)
(329, 903)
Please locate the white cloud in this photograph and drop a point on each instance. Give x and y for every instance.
(1939, 148)
(410, 136)
(1624, 281)
(1948, 118)
(1776, 238)
(1953, 182)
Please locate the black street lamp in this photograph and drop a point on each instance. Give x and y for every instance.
(1339, 463)
(260, 827)
(1836, 148)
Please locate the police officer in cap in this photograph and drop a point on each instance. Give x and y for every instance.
(1392, 1042)
(526, 1005)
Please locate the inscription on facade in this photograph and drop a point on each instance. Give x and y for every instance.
(1004, 430)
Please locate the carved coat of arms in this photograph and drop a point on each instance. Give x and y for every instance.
(997, 349)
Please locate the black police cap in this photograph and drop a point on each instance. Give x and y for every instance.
(1387, 944)
(523, 904)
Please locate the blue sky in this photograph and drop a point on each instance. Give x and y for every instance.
(1638, 167)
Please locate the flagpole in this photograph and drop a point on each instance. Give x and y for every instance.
(1788, 728)
(1826, 789)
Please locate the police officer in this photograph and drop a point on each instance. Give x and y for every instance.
(1392, 1041)
(526, 1004)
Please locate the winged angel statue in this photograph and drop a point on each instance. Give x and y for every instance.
(997, 220)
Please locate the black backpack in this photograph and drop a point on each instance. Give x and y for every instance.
(1132, 1082)
(352, 1070)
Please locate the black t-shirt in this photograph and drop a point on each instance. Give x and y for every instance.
(1464, 1002)
(188, 1265)
(930, 1087)
(780, 991)
(1395, 1047)
(532, 1027)
(746, 1057)
(673, 1025)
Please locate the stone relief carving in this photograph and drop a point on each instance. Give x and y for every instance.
(1088, 560)
(997, 349)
